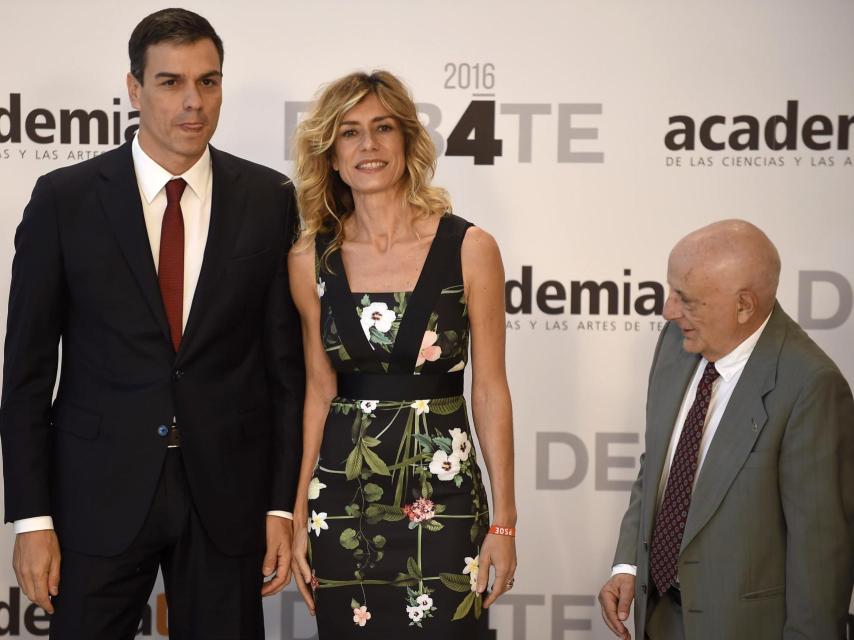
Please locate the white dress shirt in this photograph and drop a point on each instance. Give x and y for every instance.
(151, 179)
(730, 368)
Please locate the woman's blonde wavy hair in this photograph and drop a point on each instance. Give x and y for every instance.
(324, 199)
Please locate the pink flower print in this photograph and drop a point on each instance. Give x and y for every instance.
(361, 615)
(429, 350)
(420, 510)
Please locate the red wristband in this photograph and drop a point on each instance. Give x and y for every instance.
(503, 531)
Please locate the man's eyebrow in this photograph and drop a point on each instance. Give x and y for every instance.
(168, 74)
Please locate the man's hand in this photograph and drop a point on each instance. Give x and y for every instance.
(616, 601)
(36, 563)
(277, 560)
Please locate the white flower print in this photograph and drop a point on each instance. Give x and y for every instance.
(415, 613)
(421, 406)
(424, 601)
(317, 522)
(368, 406)
(314, 488)
(361, 615)
(443, 466)
(472, 567)
(378, 315)
(461, 445)
(321, 288)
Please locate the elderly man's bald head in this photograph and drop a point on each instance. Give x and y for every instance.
(723, 281)
(737, 252)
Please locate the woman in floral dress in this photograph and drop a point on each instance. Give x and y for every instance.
(392, 532)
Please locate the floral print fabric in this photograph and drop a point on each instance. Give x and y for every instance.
(398, 509)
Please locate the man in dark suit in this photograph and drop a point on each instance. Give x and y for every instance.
(174, 437)
(741, 522)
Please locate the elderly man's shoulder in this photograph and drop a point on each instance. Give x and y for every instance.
(802, 359)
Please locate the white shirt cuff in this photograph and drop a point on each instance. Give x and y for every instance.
(39, 523)
(624, 568)
(281, 514)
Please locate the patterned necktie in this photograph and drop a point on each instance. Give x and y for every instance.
(170, 272)
(673, 514)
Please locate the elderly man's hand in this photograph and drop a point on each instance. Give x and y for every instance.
(616, 600)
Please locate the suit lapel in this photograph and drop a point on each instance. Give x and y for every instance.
(119, 195)
(740, 426)
(669, 385)
(228, 201)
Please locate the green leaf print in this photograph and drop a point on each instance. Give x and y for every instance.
(445, 444)
(353, 510)
(413, 568)
(433, 525)
(400, 303)
(446, 406)
(354, 604)
(354, 463)
(478, 606)
(379, 337)
(456, 582)
(379, 541)
(369, 441)
(372, 492)
(365, 301)
(427, 492)
(374, 462)
(404, 580)
(378, 512)
(349, 539)
(425, 442)
(465, 606)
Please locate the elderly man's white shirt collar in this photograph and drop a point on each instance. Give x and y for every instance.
(734, 361)
(152, 177)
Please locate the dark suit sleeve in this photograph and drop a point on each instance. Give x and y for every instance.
(286, 372)
(34, 325)
(816, 475)
(627, 551)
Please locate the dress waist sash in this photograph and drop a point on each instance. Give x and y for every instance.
(390, 386)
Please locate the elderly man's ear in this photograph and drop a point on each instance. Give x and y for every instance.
(747, 305)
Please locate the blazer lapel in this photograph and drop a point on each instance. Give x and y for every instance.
(228, 201)
(669, 385)
(740, 426)
(119, 195)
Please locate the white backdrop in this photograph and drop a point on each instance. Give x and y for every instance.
(585, 189)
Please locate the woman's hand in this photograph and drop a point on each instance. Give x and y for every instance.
(499, 552)
(299, 561)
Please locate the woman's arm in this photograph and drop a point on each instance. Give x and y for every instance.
(483, 275)
(321, 388)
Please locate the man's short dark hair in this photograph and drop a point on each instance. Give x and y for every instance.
(178, 26)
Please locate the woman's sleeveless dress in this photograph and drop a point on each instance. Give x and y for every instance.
(397, 507)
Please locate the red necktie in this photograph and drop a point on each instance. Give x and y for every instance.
(673, 514)
(171, 269)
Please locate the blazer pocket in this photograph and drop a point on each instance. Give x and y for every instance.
(771, 592)
(79, 422)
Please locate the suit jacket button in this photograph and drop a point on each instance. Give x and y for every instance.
(177, 374)
(643, 588)
(163, 431)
